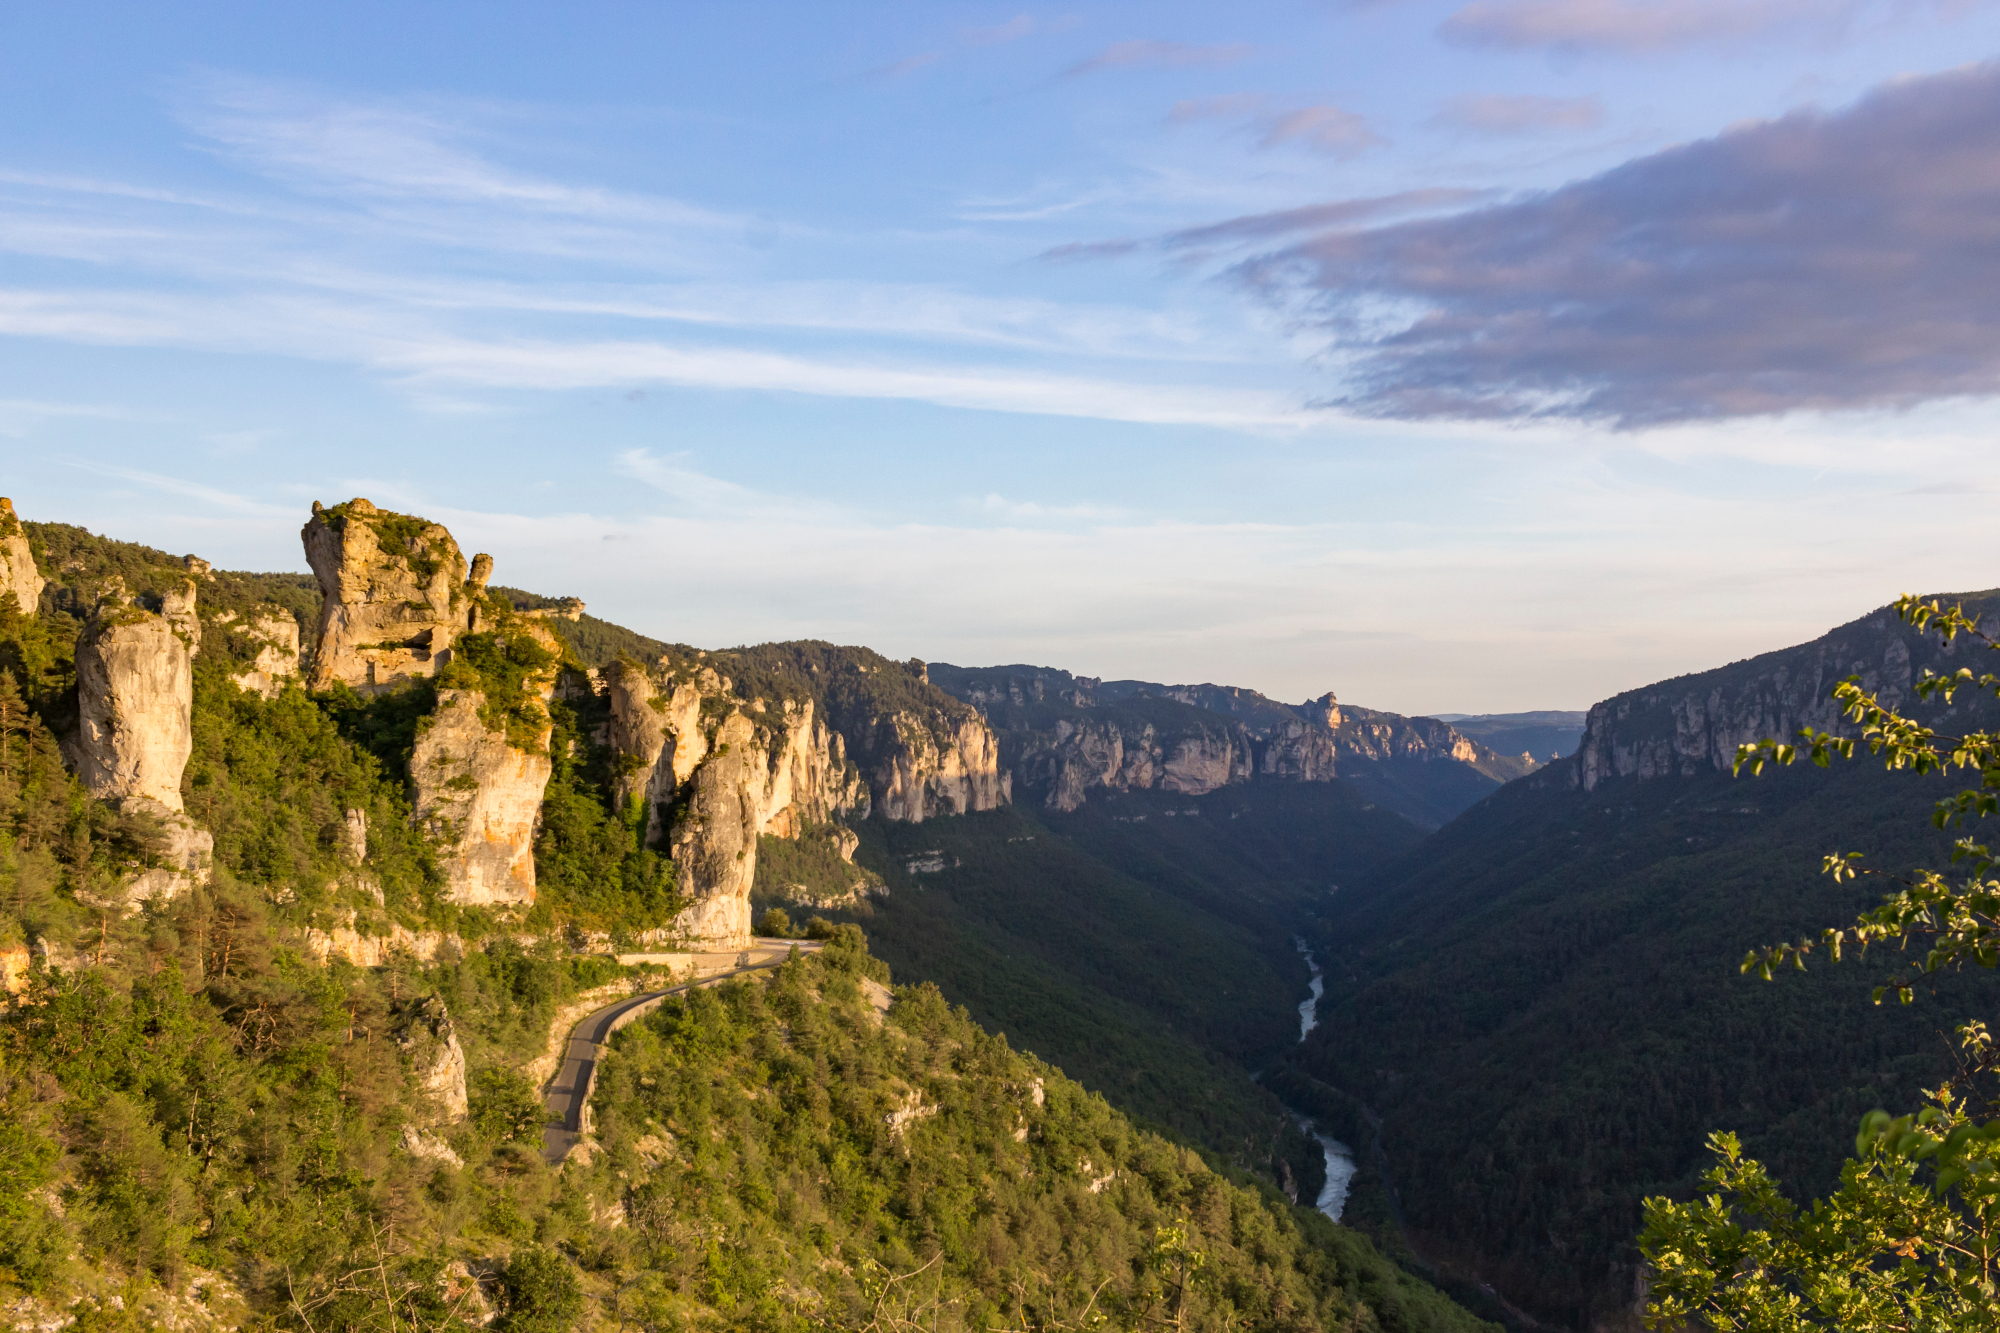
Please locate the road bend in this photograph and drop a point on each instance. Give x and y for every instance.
(567, 1096)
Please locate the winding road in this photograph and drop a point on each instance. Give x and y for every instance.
(567, 1095)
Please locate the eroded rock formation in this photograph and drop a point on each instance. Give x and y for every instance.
(276, 635)
(395, 596)
(1065, 736)
(135, 697)
(19, 576)
(731, 769)
(479, 797)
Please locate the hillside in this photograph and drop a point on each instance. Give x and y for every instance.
(1541, 1004)
(300, 880)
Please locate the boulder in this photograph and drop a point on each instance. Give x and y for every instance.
(276, 634)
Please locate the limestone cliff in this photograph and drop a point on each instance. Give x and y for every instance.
(135, 697)
(479, 797)
(275, 636)
(1065, 735)
(728, 769)
(1692, 723)
(395, 594)
(19, 576)
(923, 752)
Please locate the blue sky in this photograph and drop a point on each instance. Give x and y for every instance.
(1452, 356)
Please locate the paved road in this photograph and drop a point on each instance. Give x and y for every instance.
(568, 1092)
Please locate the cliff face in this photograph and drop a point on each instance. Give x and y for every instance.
(395, 596)
(276, 635)
(922, 752)
(922, 763)
(1065, 735)
(18, 575)
(1681, 726)
(729, 769)
(135, 697)
(480, 799)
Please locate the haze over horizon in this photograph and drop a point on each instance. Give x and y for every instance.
(1454, 356)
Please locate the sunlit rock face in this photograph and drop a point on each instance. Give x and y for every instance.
(479, 799)
(730, 770)
(1695, 723)
(135, 696)
(437, 1060)
(395, 597)
(19, 576)
(276, 634)
(135, 699)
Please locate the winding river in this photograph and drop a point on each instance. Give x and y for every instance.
(1339, 1157)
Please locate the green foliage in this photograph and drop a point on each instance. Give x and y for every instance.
(593, 870)
(1912, 1237)
(596, 643)
(507, 666)
(775, 924)
(542, 1293)
(273, 780)
(808, 869)
(790, 1162)
(385, 725)
(1149, 956)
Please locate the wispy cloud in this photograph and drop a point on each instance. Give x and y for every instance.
(1252, 227)
(1324, 128)
(1518, 113)
(1635, 26)
(1820, 261)
(1149, 53)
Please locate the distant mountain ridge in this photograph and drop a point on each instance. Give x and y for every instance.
(1063, 736)
(1546, 734)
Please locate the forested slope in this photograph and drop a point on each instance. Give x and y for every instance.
(1542, 1003)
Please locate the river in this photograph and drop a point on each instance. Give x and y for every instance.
(1339, 1157)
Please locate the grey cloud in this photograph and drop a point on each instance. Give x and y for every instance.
(1089, 250)
(1525, 113)
(1819, 261)
(1634, 26)
(1313, 217)
(1149, 52)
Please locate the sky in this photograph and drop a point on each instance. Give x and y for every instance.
(1451, 355)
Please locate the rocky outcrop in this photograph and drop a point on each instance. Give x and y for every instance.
(479, 797)
(729, 769)
(437, 1061)
(135, 695)
(397, 594)
(19, 576)
(1695, 723)
(924, 766)
(135, 698)
(275, 634)
(1121, 753)
(395, 597)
